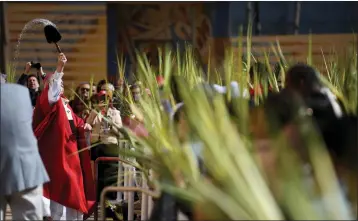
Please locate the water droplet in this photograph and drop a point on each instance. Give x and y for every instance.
(29, 25)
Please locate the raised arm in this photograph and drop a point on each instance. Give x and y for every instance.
(55, 89)
(23, 78)
(41, 77)
(91, 118)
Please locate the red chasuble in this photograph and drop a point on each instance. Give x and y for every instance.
(71, 182)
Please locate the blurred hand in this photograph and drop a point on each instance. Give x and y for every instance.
(87, 127)
(61, 62)
(40, 72)
(27, 67)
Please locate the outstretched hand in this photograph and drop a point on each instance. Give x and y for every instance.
(61, 61)
(27, 67)
(41, 72)
(87, 127)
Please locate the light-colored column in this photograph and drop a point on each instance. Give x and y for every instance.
(144, 206)
(131, 194)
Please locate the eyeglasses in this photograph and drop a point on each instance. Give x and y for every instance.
(85, 89)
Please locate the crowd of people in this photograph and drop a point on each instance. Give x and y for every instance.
(61, 126)
(41, 131)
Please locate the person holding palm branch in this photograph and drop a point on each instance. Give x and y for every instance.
(105, 121)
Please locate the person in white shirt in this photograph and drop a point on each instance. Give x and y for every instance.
(105, 121)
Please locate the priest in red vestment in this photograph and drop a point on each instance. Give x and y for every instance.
(60, 134)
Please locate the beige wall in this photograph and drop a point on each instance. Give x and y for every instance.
(88, 55)
(294, 47)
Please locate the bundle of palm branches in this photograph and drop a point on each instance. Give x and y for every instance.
(10, 74)
(239, 183)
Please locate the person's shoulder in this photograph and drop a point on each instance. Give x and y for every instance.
(282, 107)
(14, 89)
(15, 100)
(277, 98)
(114, 111)
(283, 97)
(18, 87)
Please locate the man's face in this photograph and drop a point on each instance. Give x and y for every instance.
(84, 91)
(32, 83)
(94, 89)
(136, 93)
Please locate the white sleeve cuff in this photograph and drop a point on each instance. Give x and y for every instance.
(57, 76)
(55, 88)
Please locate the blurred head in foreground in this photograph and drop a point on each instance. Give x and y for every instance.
(303, 79)
(305, 95)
